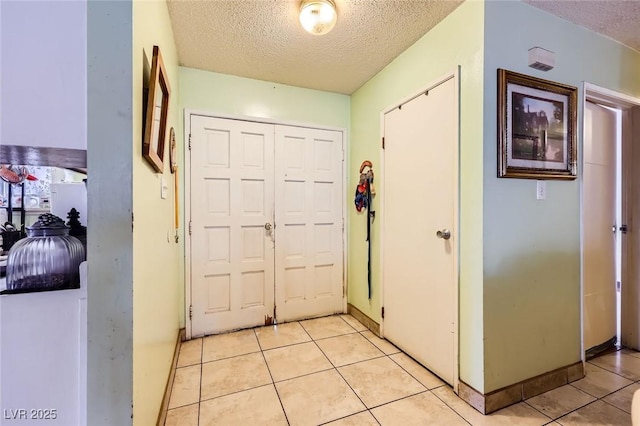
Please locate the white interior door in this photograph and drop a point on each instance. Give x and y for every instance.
(232, 275)
(309, 212)
(599, 222)
(420, 193)
(630, 294)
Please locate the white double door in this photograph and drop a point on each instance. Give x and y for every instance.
(266, 223)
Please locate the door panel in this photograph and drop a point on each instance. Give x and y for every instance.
(419, 270)
(309, 211)
(232, 199)
(241, 181)
(630, 300)
(599, 215)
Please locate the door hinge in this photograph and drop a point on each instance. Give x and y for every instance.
(623, 229)
(189, 227)
(131, 221)
(383, 312)
(189, 141)
(383, 142)
(190, 311)
(618, 286)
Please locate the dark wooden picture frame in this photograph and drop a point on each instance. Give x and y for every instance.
(536, 128)
(153, 143)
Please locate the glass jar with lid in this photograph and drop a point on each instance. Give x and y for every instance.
(47, 259)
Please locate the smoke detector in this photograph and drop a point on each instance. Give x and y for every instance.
(541, 59)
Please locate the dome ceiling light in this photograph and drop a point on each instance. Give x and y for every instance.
(318, 17)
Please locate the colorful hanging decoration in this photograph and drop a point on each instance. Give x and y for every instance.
(365, 191)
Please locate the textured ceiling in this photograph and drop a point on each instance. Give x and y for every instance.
(617, 19)
(263, 40)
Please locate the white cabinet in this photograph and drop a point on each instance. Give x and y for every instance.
(43, 357)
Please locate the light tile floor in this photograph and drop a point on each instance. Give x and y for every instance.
(334, 371)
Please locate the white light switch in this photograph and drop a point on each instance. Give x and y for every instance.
(541, 190)
(163, 188)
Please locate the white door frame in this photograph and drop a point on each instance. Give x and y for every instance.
(456, 225)
(610, 98)
(188, 112)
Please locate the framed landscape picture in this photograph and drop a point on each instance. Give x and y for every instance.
(536, 128)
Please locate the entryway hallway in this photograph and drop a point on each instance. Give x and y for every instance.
(333, 370)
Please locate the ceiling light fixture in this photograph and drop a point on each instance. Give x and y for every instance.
(318, 17)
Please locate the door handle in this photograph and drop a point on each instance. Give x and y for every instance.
(268, 226)
(445, 234)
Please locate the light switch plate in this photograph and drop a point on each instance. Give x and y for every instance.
(163, 188)
(541, 190)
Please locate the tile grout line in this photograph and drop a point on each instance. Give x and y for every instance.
(597, 398)
(380, 405)
(587, 393)
(338, 371)
(384, 354)
(381, 338)
(389, 355)
(229, 357)
(539, 411)
(273, 383)
(358, 362)
(604, 396)
(305, 375)
(233, 393)
(611, 371)
(450, 407)
(190, 403)
(574, 410)
(608, 403)
(624, 387)
(400, 399)
(344, 417)
(175, 372)
(415, 378)
(367, 409)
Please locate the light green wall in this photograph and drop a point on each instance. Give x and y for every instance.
(456, 41)
(532, 248)
(158, 265)
(237, 96)
(227, 94)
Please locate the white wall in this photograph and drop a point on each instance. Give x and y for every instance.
(44, 73)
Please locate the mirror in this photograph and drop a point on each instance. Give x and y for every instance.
(156, 115)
